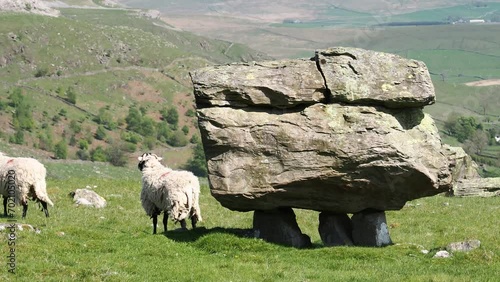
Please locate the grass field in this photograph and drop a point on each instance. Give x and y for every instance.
(116, 244)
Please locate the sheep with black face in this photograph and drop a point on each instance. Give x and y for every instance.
(173, 192)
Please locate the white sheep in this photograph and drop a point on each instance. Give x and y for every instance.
(175, 192)
(26, 178)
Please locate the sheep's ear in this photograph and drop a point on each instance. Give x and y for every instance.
(139, 158)
(160, 158)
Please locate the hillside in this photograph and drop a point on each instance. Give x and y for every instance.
(92, 80)
(462, 56)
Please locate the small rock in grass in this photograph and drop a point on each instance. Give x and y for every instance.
(464, 246)
(442, 254)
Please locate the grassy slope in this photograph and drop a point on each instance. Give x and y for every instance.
(115, 243)
(111, 58)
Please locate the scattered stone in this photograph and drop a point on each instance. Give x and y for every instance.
(86, 197)
(477, 187)
(464, 246)
(60, 233)
(442, 254)
(424, 252)
(335, 229)
(279, 226)
(369, 228)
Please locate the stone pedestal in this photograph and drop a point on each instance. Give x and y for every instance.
(335, 229)
(279, 226)
(369, 228)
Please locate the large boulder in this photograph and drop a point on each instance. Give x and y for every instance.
(278, 133)
(341, 133)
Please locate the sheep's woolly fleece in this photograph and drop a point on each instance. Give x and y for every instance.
(164, 189)
(28, 173)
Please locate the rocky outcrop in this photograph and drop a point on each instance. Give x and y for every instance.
(462, 165)
(28, 6)
(479, 187)
(341, 133)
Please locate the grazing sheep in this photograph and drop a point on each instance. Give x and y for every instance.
(27, 175)
(175, 192)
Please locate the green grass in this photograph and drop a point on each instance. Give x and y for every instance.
(116, 244)
(466, 12)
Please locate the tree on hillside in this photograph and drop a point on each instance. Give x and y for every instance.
(171, 116)
(485, 104)
(477, 142)
(100, 133)
(134, 119)
(197, 163)
(148, 127)
(61, 150)
(450, 123)
(71, 95)
(105, 118)
(98, 155)
(116, 156)
(465, 128)
(22, 117)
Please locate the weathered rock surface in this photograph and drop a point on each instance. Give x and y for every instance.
(341, 133)
(278, 84)
(462, 165)
(86, 197)
(28, 6)
(479, 187)
(465, 246)
(369, 228)
(367, 77)
(330, 157)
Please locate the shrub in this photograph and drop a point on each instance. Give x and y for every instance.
(190, 113)
(177, 139)
(98, 155)
(82, 155)
(115, 156)
(18, 137)
(61, 150)
(71, 95)
(100, 133)
(41, 72)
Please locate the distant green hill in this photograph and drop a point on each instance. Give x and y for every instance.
(82, 76)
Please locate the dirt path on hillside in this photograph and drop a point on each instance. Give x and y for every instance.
(486, 82)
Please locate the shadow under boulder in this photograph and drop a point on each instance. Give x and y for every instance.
(279, 226)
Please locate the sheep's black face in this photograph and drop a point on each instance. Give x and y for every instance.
(145, 158)
(141, 165)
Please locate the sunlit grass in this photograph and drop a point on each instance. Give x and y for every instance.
(116, 243)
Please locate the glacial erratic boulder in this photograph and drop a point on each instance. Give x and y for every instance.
(341, 133)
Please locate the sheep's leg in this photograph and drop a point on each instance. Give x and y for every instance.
(45, 210)
(5, 205)
(183, 224)
(194, 220)
(25, 209)
(165, 221)
(155, 221)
